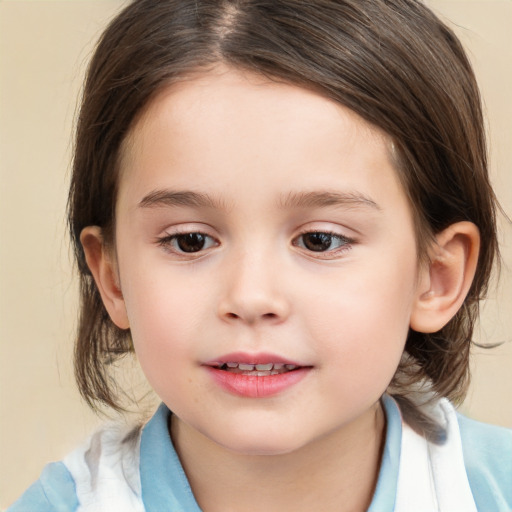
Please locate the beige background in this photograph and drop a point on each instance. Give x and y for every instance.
(43, 48)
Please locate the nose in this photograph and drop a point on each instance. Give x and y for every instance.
(251, 291)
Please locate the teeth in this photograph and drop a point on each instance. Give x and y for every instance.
(246, 367)
(259, 369)
(264, 367)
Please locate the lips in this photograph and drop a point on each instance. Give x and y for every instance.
(256, 376)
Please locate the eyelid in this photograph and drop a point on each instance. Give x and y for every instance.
(171, 233)
(183, 228)
(329, 254)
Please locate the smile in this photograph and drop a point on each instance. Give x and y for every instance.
(256, 376)
(258, 370)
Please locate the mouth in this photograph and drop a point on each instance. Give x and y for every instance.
(257, 370)
(256, 375)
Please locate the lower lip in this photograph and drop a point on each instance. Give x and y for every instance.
(252, 386)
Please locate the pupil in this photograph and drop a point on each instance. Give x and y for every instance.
(191, 242)
(317, 241)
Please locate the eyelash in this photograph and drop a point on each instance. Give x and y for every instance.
(171, 243)
(168, 243)
(345, 242)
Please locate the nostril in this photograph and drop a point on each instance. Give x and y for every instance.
(266, 316)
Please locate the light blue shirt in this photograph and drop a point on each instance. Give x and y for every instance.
(164, 487)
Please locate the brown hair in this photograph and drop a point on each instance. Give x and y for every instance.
(393, 62)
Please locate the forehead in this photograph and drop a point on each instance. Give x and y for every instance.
(217, 126)
(214, 96)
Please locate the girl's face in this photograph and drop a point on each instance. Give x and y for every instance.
(261, 224)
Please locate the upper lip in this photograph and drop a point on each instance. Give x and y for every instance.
(245, 358)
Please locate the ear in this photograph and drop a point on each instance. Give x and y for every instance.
(101, 263)
(446, 280)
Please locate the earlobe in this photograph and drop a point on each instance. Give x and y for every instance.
(101, 263)
(446, 280)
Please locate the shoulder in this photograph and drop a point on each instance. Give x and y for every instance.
(103, 472)
(54, 491)
(487, 451)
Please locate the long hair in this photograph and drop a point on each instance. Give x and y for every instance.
(393, 62)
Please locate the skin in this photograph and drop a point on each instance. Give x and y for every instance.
(307, 165)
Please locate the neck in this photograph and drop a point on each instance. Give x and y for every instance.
(337, 472)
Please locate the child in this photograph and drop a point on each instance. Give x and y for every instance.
(283, 208)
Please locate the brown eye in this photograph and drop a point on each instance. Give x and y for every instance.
(317, 242)
(190, 242)
(187, 243)
(323, 242)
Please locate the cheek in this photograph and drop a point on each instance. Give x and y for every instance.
(165, 316)
(361, 324)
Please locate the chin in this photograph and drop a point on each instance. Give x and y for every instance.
(262, 444)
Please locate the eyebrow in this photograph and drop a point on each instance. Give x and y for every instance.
(164, 197)
(322, 199)
(315, 199)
